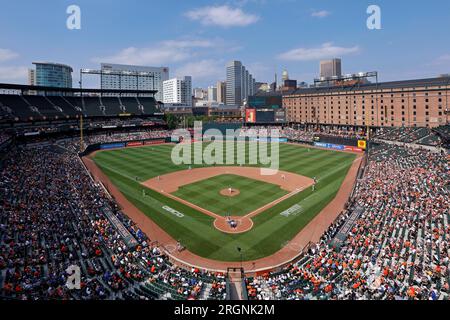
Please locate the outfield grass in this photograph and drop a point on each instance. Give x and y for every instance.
(253, 194)
(195, 230)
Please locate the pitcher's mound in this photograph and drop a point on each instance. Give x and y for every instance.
(230, 192)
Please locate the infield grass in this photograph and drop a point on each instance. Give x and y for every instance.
(253, 194)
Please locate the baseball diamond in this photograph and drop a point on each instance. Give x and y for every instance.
(195, 192)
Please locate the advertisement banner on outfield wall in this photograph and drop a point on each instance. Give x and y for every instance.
(112, 146)
(353, 149)
(134, 144)
(337, 147)
(154, 142)
(329, 146)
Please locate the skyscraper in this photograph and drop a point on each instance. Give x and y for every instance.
(178, 90)
(240, 83)
(124, 82)
(331, 68)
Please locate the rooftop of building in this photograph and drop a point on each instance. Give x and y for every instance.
(53, 64)
(415, 83)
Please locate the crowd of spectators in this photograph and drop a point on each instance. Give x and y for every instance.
(53, 215)
(128, 136)
(339, 132)
(398, 247)
(73, 144)
(4, 137)
(298, 135)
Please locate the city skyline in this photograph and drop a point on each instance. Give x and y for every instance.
(199, 38)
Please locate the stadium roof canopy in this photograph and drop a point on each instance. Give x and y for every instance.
(22, 88)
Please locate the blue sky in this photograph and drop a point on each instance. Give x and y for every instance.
(194, 37)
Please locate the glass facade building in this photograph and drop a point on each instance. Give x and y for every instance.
(53, 75)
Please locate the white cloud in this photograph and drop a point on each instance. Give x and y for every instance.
(14, 74)
(320, 14)
(223, 16)
(143, 56)
(169, 51)
(207, 69)
(327, 50)
(188, 43)
(6, 54)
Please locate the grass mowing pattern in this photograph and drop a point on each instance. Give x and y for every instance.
(271, 230)
(253, 194)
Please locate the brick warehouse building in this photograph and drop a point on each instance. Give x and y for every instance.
(410, 103)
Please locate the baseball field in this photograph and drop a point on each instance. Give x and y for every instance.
(186, 200)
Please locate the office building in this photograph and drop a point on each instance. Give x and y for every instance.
(330, 69)
(152, 78)
(200, 94)
(178, 91)
(31, 77)
(212, 94)
(240, 83)
(50, 74)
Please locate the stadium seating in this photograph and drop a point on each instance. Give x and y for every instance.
(19, 107)
(66, 107)
(75, 102)
(112, 105)
(132, 105)
(37, 107)
(430, 140)
(149, 105)
(61, 220)
(93, 107)
(44, 106)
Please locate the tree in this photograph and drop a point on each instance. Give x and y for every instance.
(171, 120)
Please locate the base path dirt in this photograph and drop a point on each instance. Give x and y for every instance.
(309, 234)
